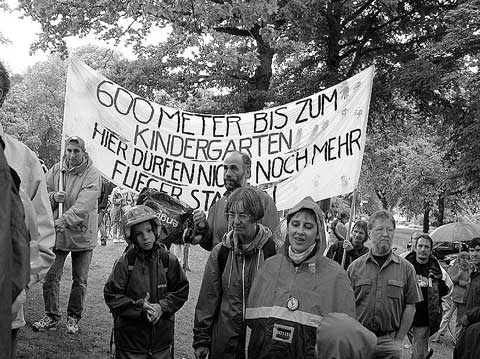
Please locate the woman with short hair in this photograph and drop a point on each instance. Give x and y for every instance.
(219, 327)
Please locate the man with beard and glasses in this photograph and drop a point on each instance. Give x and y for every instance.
(236, 171)
(385, 287)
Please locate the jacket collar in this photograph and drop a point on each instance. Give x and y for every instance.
(434, 270)
(87, 162)
(393, 257)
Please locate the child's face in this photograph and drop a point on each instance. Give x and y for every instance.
(144, 235)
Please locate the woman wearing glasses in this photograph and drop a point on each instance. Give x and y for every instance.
(219, 327)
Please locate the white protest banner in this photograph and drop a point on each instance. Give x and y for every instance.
(310, 147)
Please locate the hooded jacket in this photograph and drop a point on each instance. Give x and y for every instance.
(28, 167)
(436, 291)
(82, 186)
(220, 312)
(318, 284)
(126, 289)
(14, 249)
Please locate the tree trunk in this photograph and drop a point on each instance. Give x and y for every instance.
(426, 218)
(441, 209)
(260, 81)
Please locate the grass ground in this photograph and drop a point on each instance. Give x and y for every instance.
(93, 340)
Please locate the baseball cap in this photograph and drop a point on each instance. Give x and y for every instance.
(76, 141)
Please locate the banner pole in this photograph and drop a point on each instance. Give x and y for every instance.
(352, 217)
(61, 186)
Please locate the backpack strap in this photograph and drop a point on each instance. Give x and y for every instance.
(131, 257)
(222, 258)
(164, 257)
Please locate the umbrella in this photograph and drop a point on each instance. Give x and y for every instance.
(456, 232)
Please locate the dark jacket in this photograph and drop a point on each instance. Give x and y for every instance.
(124, 294)
(468, 346)
(436, 291)
(335, 252)
(220, 312)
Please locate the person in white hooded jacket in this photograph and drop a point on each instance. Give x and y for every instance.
(39, 217)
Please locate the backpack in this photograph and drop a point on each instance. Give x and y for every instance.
(268, 251)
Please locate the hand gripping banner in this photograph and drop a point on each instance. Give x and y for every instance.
(309, 147)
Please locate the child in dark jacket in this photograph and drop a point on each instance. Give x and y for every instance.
(146, 287)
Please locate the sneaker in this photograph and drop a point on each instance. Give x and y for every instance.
(46, 323)
(72, 325)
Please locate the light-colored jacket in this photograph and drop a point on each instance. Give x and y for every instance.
(82, 186)
(38, 215)
(26, 164)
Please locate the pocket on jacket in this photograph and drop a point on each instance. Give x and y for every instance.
(395, 288)
(363, 287)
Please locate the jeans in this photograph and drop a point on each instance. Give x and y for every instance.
(101, 226)
(388, 347)
(51, 288)
(419, 341)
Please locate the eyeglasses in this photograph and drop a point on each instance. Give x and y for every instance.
(241, 216)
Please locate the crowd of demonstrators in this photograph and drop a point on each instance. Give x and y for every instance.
(219, 327)
(468, 344)
(237, 170)
(118, 202)
(253, 302)
(103, 204)
(337, 230)
(74, 184)
(354, 248)
(428, 313)
(386, 289)
(294, 290)
(146, 288)
(459, 272)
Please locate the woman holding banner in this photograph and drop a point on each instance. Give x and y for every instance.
(355, 248)
(294, 290)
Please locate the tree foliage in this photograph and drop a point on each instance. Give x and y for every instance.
(231, 56)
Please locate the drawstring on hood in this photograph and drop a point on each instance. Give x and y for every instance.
(231, 242)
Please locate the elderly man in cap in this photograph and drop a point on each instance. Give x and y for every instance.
(74, 184)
